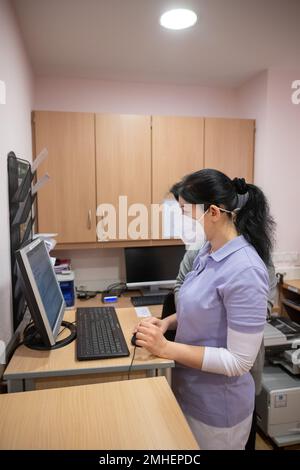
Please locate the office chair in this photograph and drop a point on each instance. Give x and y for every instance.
(168, 309)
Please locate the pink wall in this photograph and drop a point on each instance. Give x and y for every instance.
(267, 98)
(252, 103)
(282, 173)
(132, 98)
(15, 134)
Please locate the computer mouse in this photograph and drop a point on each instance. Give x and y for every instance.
(133, 341)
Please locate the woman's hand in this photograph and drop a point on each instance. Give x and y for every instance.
(161, 324)
(150, 335)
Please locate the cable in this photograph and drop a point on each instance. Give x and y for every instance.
(119, 287)
(73, 323)
(129, 370)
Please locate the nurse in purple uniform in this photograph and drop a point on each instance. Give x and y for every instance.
(221, 309)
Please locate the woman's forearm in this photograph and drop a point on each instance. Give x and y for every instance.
(189, 356)
(171, 322)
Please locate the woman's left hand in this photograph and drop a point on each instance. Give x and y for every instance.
(150, 337)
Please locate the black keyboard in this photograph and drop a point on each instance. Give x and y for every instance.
(99, 334)
(156, 299)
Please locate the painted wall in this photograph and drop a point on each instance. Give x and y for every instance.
(132, 98)
(267, 98)
(282, 172)
(15, 134)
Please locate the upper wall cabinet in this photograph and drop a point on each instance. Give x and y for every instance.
(123, 162)
(229, 146)
(95, 159)
(66, 205)
(177, 149)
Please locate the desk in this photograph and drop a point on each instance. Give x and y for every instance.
(137, 414)
(293, 285)
(30, 370)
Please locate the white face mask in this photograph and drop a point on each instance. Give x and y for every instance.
(193, 234)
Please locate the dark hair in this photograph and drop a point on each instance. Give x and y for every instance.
(252, 219)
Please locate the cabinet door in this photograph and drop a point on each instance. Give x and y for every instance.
(229, 146)
(123, 162)
(66, 205)
(177, 144)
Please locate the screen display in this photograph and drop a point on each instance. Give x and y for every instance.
(155, 263)
(46, 282)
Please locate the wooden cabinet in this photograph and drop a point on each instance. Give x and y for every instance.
(66, 205)
(229, 146)
(95, 159)
(177, 149)
(123, 165)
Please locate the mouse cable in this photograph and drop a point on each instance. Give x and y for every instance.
(129, 370)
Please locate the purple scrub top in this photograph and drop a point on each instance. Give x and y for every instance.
(226, 289)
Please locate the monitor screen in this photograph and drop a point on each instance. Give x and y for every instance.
(153, 265)
(42, 291)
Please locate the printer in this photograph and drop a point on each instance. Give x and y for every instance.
(278, 405)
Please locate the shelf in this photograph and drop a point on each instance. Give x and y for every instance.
(291, 304)
(292, 285)
(115, 244)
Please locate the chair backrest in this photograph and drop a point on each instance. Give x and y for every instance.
(168, 309)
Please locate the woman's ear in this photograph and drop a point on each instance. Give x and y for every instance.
(215, 212)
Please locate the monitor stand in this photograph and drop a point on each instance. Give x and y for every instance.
(33, 340)
(155, 290)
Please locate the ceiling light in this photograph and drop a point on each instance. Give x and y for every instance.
(178, 19)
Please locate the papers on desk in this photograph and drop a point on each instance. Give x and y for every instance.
(49, 239)
(142, 312)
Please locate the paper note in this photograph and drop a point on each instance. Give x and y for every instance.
(142, 312)
(40, 183)
(39, 159)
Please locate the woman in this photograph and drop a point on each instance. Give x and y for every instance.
(221, 309)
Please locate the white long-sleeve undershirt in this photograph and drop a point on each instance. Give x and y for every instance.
(237, 358)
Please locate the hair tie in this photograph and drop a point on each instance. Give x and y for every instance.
(240, 185)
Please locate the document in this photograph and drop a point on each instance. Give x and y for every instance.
(142, 312)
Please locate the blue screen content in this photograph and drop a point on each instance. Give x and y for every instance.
(46, 282)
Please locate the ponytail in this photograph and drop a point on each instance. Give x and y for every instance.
(254, 222)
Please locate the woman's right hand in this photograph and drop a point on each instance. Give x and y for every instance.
(161, 324)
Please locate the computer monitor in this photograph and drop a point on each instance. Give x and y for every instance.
(41, 289)
(153, 266)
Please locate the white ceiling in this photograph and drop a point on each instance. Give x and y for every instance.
(122, 39)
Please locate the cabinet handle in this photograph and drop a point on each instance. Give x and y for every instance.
(89, 219)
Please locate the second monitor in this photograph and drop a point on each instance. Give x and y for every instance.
(151, 267)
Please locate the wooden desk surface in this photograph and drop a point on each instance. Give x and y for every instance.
(293, 284)
(137, 414)
(27, 363)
